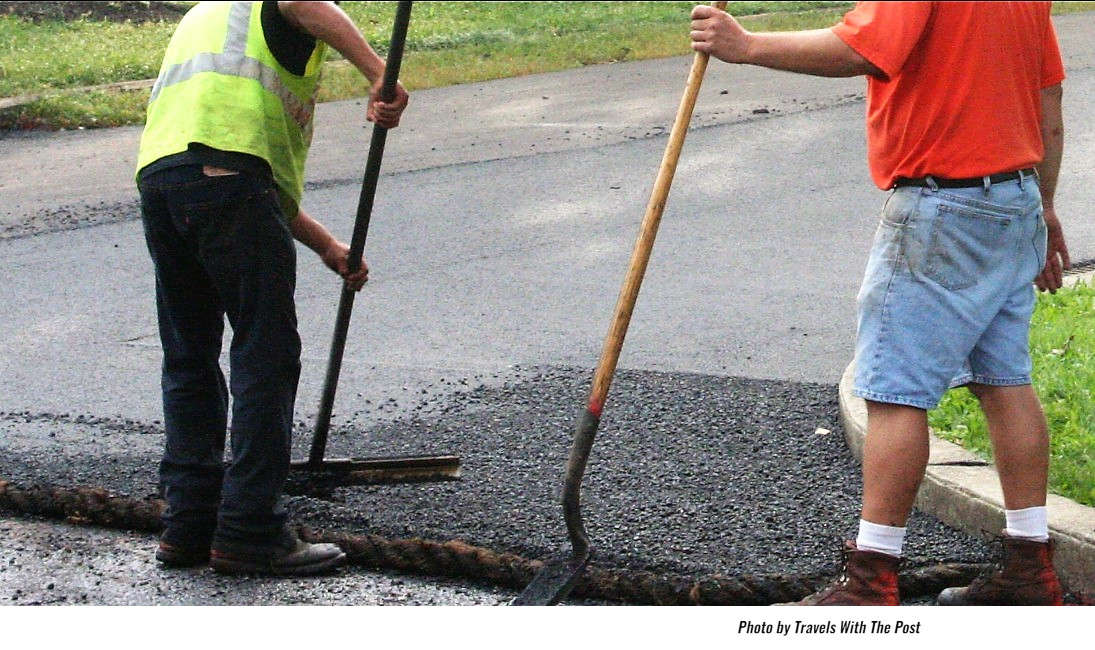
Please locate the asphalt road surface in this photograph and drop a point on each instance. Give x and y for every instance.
(501, 232)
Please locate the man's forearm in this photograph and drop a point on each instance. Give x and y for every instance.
(1053, 140)
(311, 233)
(818, 52)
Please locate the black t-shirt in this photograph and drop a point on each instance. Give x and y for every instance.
(292, 48)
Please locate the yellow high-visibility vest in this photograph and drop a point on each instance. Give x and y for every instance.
(220, 86)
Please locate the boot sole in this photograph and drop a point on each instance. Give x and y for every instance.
(229, 566)
(960, 599)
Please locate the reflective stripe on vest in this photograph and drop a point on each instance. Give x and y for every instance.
(221, 86)
(233, 61)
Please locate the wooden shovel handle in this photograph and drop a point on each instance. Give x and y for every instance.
(625, 304)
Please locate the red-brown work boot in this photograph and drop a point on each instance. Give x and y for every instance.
(866, 578)
(1025, 577)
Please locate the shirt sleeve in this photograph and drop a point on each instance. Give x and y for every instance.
(290, 46)
(1053, 68)
(884, 33)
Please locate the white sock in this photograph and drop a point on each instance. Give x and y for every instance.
(880, 539)
(1028, 523)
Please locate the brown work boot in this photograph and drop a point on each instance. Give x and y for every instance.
(1025, 577)
(866, 578)
(289, 557)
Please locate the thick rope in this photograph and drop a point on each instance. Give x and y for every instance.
(455, 558)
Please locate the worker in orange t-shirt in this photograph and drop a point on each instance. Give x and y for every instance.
(964, 128)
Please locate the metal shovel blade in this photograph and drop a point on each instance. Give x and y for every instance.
(552, 584)
(559, 576)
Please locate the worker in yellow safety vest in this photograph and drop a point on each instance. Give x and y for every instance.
(221, 172)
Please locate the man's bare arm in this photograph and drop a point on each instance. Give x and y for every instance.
(327, 22)
(1053, 140)
(817, 52)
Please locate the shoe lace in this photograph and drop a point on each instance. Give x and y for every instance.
(842, 564)
(835, 584)
(840, 582)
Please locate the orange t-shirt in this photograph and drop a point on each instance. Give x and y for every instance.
(961, 93)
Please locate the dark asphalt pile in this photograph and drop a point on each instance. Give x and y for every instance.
(690, 474)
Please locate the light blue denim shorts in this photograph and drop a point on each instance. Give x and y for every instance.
(947, 295)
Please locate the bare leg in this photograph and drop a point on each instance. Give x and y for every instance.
(1020, 441)
(895, 455)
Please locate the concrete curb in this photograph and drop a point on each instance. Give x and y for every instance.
(12, 102)
(962, 491)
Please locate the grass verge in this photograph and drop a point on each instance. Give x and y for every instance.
(448, 43)
(1063, 349)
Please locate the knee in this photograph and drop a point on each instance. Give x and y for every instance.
(980, 391)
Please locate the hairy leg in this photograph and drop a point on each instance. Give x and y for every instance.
(1020, 441)
(895, 455)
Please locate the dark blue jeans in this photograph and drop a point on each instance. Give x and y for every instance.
(221, 247)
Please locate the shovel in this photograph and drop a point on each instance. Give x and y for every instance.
(369, 470)
(559, 575)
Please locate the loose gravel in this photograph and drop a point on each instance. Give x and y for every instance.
(690, 474)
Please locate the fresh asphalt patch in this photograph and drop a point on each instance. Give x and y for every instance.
(690, 474)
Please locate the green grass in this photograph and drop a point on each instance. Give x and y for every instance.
(448, 43)
(1063, 349)
(465, 42)
(54, 54)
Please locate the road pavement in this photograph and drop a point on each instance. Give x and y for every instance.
(501, 231)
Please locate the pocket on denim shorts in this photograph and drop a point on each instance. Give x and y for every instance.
(901, 206)
(889, 237)
(965, 244)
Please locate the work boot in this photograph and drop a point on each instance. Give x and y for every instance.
(289, 557)
(1025, 576)
(866, 578)
(181, 557)
(184, 546)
